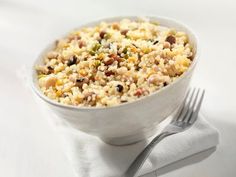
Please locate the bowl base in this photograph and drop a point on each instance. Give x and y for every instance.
(137, 137)
(131, 139)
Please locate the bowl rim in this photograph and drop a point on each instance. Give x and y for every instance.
(110, 19)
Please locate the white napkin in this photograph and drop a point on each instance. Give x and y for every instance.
(90, 157)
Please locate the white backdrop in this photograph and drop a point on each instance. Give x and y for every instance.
(28, 145)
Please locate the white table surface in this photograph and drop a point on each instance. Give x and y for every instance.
(28, 145)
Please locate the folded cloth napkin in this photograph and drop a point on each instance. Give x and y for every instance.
(91, 157)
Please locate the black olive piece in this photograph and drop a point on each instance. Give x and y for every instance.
(165, 84)
(80, 80)
(72, 61)
(119, 88)
(119, 54)
(155, 42)
(134, 45)
(50, 69)
(137, 68)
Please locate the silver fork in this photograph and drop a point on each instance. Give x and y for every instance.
(183, 120)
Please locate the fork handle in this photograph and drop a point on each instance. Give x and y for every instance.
(140, 159)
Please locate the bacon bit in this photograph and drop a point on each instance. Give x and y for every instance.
(171, 39)
(124, 32)
(82, 44)
(109, 61)
(112, 55)
(156, 62)
(78, 37)
(139, 92)
(109, 73)
(102, 34)
(119, 59)
(115, 57)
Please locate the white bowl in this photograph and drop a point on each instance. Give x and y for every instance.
(129, 122)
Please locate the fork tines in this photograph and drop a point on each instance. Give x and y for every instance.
(191, 105)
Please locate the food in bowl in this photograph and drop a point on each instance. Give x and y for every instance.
(128, 122)
(113, 63)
